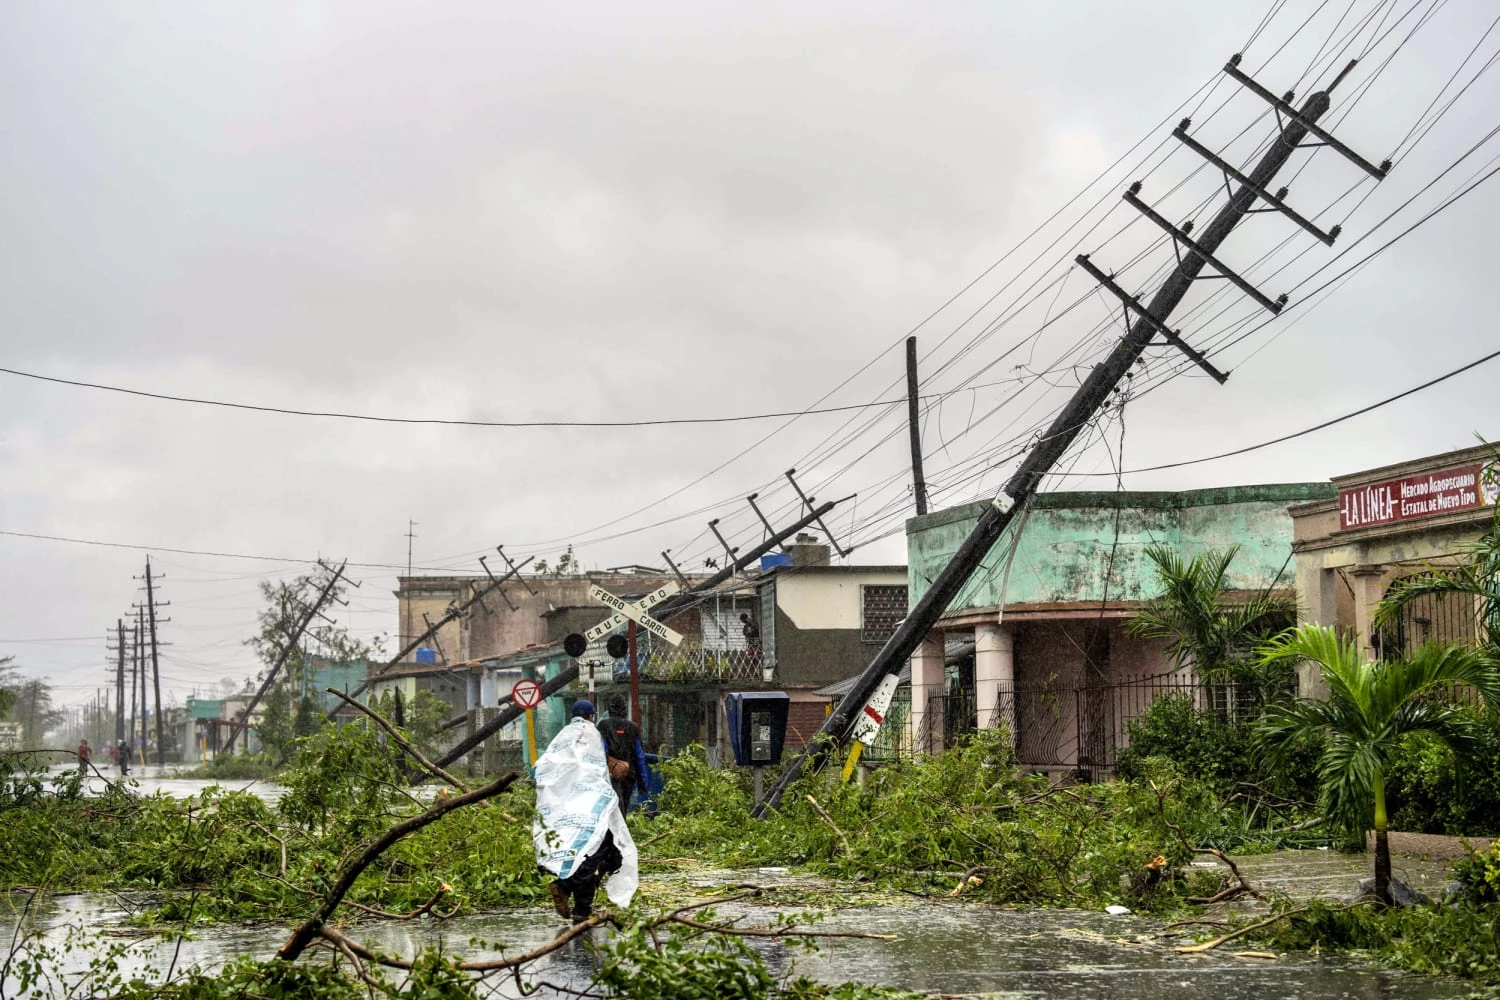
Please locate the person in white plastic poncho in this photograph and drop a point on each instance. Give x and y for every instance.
(579, 832)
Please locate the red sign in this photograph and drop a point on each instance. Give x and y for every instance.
(1446, 491)
(526, 694)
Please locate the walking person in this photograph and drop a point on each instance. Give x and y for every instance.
(122, 751)
(578, 830)
(85, 755)
(626, 758)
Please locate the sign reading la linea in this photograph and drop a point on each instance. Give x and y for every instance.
(1445, 491)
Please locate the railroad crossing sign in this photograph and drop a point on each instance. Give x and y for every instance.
(526, 694)
(633, 611)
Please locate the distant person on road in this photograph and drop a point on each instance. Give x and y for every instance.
(626, 758)
(578, 829)
(122, 751)
(84, 756)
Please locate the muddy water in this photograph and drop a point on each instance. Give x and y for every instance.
(945, 946)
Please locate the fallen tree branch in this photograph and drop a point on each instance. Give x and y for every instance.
(402, 741)
(493, 965)
(1243, 886)
(308, 931)
(778, 932)
(279, 840)
(848, 851)
(1211, 944)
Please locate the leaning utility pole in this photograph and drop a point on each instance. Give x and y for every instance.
(454, 611)
(161, 747)
(677, 603)
(292, 638)
(918, 484)
(1076, 414)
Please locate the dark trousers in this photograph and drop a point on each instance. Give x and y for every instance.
(624, 789)
(582, 884)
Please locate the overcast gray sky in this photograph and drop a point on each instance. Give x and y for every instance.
(611, 212)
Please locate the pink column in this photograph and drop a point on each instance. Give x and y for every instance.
(926, 680)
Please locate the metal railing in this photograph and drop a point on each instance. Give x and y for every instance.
(691, 663)
(1052, 724)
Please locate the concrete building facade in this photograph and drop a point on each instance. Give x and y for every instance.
(1036, 639)
(1386, 524)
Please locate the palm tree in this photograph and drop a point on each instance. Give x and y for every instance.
(1205, 627)
(1476, 578)
(1370, 707)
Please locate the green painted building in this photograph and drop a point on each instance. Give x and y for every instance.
(1036, 638)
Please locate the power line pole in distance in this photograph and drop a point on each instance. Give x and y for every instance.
(918, 483)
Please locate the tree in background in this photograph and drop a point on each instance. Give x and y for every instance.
(1370, 708)
(9, 678)
(423, 716)
(1208, 628)
(293, 708)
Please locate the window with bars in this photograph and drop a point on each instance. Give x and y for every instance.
(883, 606)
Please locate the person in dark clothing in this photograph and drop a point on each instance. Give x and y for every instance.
(574, 896)
(622, 742)
(750, 629)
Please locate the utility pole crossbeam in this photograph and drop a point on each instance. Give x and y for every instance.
(450, 615)
(682, 580)
(1204, 252)
(503, 595)
(676, 604)
(729, 551)
(914, 427)
(1308, 122)
(1079, 411)
(1274, 200)
(808, 502)
(767, 524)
(286, 651)
(514, 569)
(1134, 303)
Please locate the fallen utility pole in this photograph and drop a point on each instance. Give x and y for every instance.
(454, 611)
(292, 638)
(1079, 411)
(673, 605)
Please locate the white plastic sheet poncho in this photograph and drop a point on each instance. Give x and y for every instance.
(575, 805)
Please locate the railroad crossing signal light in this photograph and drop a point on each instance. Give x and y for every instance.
(616, 646)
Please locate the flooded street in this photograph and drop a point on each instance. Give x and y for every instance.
(945, 946)
(169, 779)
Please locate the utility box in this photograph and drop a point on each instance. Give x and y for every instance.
(757, 726)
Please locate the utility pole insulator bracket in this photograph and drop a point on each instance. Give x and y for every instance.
(1135, 304)
(1181, 236)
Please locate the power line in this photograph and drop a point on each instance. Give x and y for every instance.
(1309, 430)
(441, 421)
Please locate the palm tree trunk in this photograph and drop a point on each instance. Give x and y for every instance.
(1382, 844)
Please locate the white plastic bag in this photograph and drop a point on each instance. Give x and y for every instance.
(575, 805)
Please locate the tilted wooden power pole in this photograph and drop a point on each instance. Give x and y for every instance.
(1193, 255)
